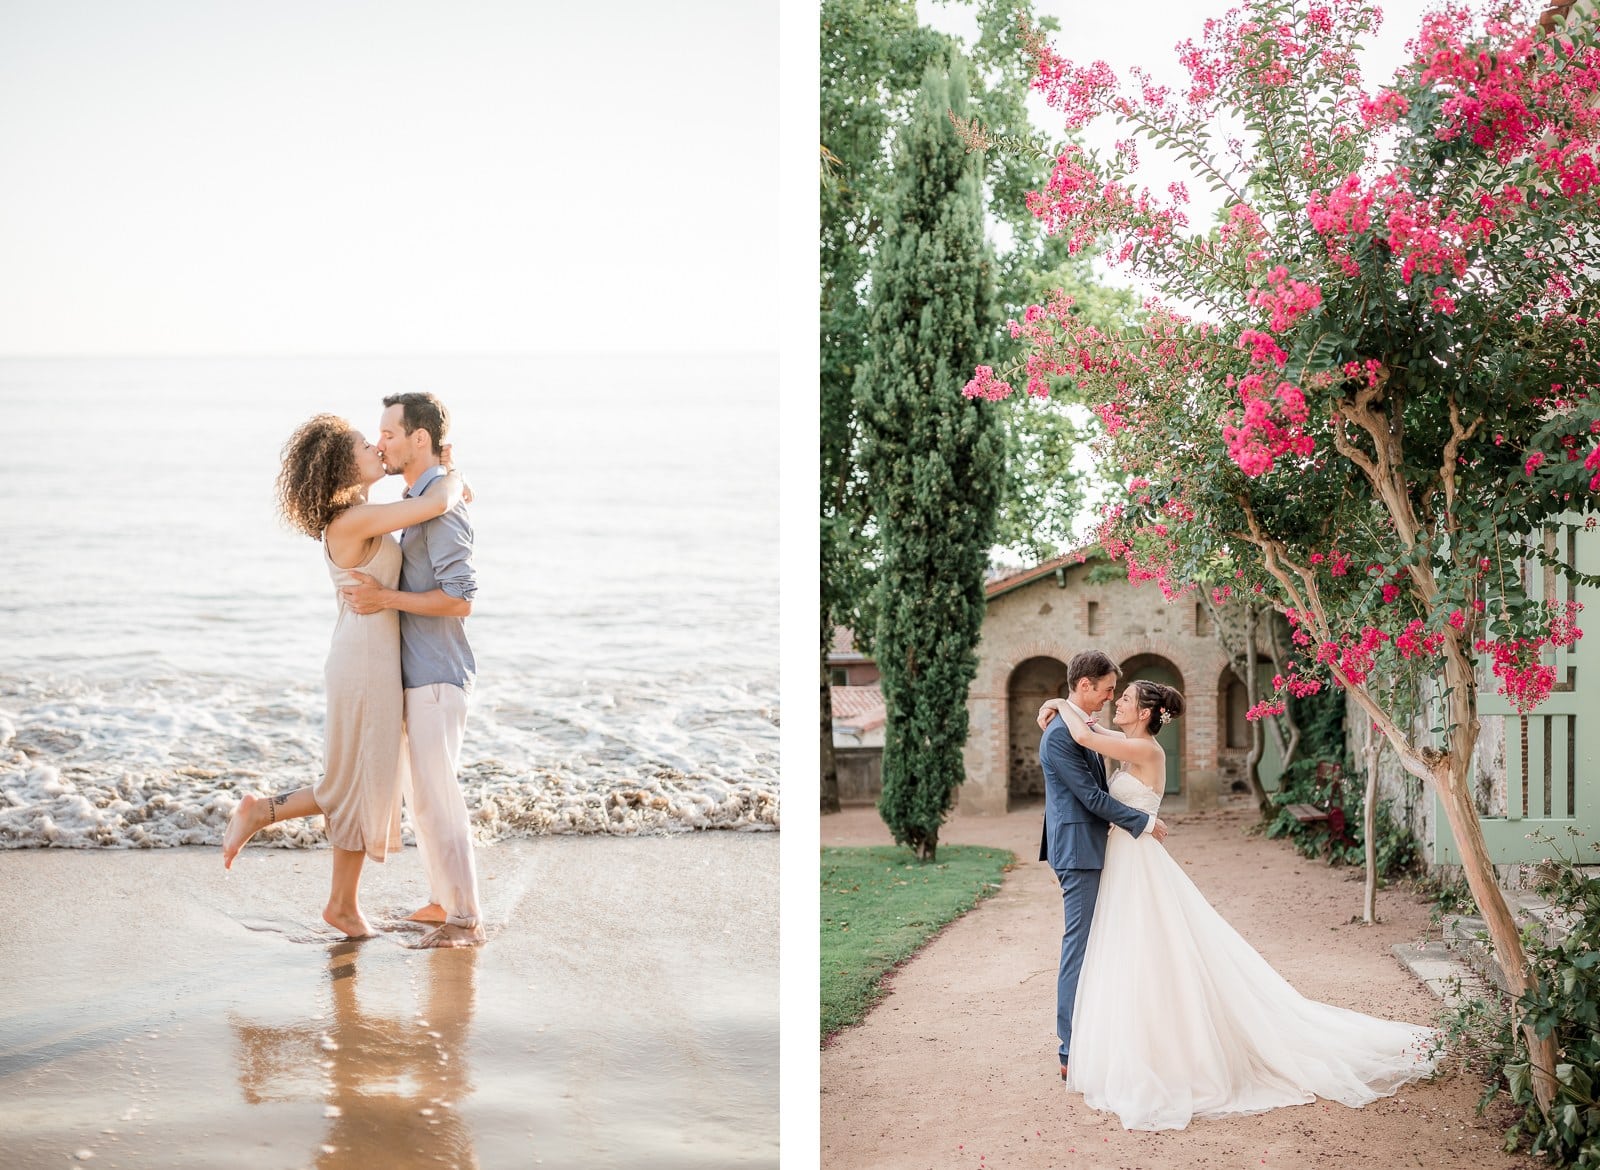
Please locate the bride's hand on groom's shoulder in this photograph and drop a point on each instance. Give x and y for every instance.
(447, 461)
(1046, 713)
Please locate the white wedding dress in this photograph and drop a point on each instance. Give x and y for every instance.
(1178, 1017)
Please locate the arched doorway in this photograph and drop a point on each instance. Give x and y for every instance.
(1154, 668)
(1031, 683)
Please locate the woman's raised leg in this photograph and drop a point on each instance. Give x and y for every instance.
(257, 812)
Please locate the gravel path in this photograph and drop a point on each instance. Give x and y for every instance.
(956, 1066)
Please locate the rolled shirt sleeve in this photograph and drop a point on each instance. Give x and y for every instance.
(450, 553)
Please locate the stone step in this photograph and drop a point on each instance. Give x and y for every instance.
(1441, 971)
(1468, 935)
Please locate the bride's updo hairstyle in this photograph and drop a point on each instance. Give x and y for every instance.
(319, 477)
(1163, 702)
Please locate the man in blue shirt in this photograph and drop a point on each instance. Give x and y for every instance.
(437, 585)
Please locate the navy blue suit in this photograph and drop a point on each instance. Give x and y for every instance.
(1077, 808)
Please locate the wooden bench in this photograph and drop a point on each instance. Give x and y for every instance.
(1307, 814)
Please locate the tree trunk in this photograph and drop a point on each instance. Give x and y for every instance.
(1252, 762)
(1456, 799)
(1284, 727)
(1451, 774)
(1448, 772)
(830, 770)
(1454, 772)
(1369, 829)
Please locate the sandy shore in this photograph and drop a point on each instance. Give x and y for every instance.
(957, 1068)
(157, 1011)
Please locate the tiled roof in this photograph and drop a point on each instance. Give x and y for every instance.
(844, 646)
(1066, 560)
(858, 707)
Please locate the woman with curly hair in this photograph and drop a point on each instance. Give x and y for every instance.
(1176, 1015)
(322, 491)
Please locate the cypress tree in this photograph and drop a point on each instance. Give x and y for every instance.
(933, 460)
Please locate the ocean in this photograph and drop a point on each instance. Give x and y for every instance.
(162, 634)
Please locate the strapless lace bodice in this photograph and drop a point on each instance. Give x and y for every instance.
(1127, 788)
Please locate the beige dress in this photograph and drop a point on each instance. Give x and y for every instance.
(362, 760)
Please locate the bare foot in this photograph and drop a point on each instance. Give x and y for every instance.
(350, 923)
(432, 912)
(247, 820)
(450, 935)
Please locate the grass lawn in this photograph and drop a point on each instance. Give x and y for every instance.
(880, 905)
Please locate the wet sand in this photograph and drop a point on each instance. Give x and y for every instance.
(157, 1011)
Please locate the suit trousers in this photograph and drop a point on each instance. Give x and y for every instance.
(1079, 890)
(436, 718)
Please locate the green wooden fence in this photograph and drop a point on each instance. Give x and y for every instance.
(1553, 755)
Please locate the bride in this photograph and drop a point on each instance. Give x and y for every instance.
(1176, 1015)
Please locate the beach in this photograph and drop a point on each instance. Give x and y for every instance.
(163, 634)
(156, 1010)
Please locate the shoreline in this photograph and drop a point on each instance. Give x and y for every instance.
(165, 1012)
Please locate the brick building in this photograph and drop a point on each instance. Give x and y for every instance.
(1036, 621)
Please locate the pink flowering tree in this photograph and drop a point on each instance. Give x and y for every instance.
(1363, 390)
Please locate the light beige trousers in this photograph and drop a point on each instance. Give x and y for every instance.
(436, 718)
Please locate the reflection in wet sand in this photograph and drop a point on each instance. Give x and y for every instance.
(390, 1081)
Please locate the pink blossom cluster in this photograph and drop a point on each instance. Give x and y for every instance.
(1352, 657)
(1295, 685)
(1266, 707)
(1488, 93)
(1241, 53)
(1079, 93)
(1563, 624)
(1338, 563)
(986, 386)
(1593, 464)
(1384, 110)
(1506, 100)
(1286, 299)
(1414, 641)
(1243, 232)
(1524, 680)
(1365, 372)
(1270, 427)
(1424, 236)
(1081, 203)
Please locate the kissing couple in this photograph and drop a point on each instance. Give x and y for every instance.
(1166, 1013)
(399, 669)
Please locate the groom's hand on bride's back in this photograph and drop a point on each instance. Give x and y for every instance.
(1159, 830)
(365, 597)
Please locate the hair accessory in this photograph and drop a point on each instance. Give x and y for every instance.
(1162, 716)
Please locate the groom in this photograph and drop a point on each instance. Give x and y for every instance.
(437, 585)
(1077, 808)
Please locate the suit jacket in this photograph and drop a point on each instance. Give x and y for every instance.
(1077, 806)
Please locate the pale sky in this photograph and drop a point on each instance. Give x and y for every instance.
(387, 176)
